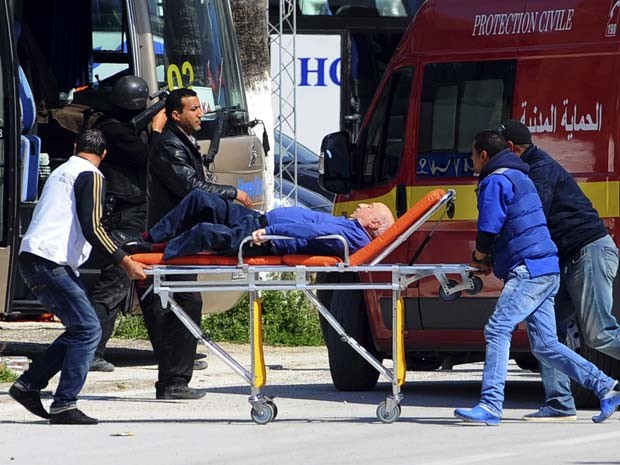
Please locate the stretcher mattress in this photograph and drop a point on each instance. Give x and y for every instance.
(361, 257)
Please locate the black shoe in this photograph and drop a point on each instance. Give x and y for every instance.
(140, 246)
(73, 416)
(179, 391)
(101, 364)
(29, 399)
(200, 365)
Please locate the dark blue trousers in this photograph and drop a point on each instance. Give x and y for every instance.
(60, 291)
(204, 221)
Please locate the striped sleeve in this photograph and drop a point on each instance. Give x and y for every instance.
(89, 190)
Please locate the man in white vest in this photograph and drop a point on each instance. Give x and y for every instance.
(65, 226)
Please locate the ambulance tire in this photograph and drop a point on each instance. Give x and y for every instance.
(325, 297)
(584, 398)
(349, 371)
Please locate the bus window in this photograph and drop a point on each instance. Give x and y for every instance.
(109, 39)
(458, 100)
(384, 138)
(195, 46)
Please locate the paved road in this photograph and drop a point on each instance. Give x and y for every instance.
(315, 424)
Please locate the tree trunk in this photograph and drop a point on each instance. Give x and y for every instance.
(250, 17)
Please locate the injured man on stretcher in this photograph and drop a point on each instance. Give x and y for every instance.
(205, 221)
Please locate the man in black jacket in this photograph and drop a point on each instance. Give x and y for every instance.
(588, 266)
(174, 170)
(125, 172)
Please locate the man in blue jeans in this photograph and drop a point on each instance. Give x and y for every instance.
(208, 221)
(588, 266)
(512, 233)
(65, 226)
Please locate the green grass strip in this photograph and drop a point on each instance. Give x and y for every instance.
(288, 320)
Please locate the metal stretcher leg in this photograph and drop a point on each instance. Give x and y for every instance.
(388, 411)
(212, 346)
(357, 347)
(263, 410)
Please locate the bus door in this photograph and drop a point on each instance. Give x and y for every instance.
(9, 149)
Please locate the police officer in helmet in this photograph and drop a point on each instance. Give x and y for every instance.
(125, 205)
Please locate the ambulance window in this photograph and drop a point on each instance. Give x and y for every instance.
(458, 100)
(110, 54)
(384, 138)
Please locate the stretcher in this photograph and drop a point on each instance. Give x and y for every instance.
(265, 273)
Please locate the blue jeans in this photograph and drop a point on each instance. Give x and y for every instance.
(59, 290)
(531, 299)
(204, 221)
(586, 295)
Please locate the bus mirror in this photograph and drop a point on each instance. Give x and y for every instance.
(335, 163)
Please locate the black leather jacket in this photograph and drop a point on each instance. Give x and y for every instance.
(174, 169)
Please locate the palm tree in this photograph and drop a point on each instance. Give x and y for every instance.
(250, 17)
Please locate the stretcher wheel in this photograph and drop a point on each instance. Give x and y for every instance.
(275, 409)
(265, 414)
(385, 416)
(478, 285)
(449, 297)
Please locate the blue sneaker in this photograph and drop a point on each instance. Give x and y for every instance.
(478, 414)
(548, 414)
(608, 407)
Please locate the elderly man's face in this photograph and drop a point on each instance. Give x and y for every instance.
(372, 215)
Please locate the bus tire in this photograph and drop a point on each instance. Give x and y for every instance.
(349, 371)
(584, 398)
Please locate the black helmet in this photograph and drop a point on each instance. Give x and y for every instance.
(130, 93)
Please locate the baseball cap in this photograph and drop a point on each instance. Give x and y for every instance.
(515, 131)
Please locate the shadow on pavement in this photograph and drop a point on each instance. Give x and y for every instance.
(519, 394)
(119, 356)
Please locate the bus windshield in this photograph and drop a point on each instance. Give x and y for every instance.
(195, 46)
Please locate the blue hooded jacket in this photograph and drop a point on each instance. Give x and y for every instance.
(509, 208)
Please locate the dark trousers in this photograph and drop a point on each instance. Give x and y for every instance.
(61, 292)
(173, 344)
(204, 221)
(112, 288)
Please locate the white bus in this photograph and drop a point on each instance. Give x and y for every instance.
(58, 62)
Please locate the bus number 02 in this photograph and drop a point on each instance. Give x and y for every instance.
(175, 75)
(1, 133)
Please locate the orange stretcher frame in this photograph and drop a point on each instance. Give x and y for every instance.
(245, 272)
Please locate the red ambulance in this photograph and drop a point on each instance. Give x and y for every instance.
(461, 67)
